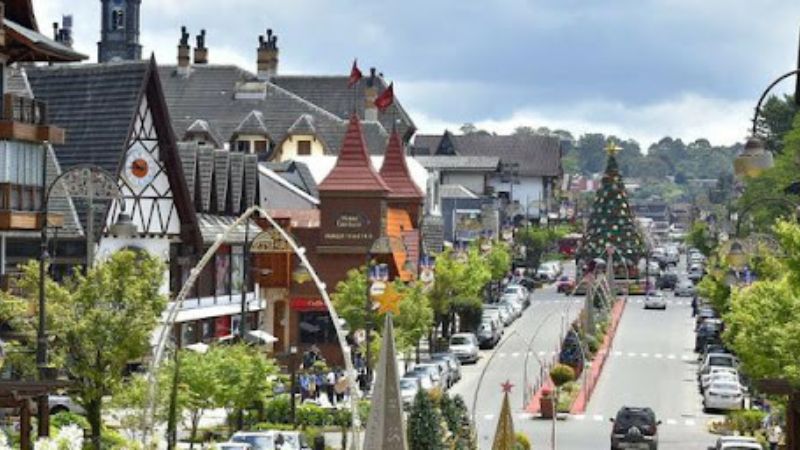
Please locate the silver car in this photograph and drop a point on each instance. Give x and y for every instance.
(409, 386)
(465, 347)
(685, 288)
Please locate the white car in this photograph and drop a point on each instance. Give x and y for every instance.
(724, 395)
(423, 378)
(685, 288)
(547, 272)
(513, 304)
(718, 374)
(718, 360)
(271, 440)
(736, 443)
(409, 386)
(465, 347)
(655, 300)
(232, 446)
(517, 291)
(433, 371)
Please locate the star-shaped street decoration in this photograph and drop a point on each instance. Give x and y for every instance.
(612, 148)
(389, 301)
(507, 386)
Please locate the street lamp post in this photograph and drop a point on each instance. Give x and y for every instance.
(82, 181)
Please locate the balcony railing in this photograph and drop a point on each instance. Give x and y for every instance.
(25, 110)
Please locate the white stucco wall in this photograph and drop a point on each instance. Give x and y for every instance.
(475, 182)
(529, 193)
(288, 149)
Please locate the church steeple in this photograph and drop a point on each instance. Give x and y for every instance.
(119, 31)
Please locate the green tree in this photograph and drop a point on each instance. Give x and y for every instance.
(762, 324)
(199, 384)
(590, 152)
(415, 318)
(350, 297)
(101, 322)
(243, 375)
(701, 238)
(775, 120)
(424, 424)
(132, 396)
(499, 260)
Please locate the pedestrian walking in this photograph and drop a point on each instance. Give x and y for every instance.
(694, 306)
(774, 435)
(341, 387)
(319, 378)
(330, 383)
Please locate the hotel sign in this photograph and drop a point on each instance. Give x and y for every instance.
(351, 220)
(350, 227)
(270, 241)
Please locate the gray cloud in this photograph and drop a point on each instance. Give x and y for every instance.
(465, 60)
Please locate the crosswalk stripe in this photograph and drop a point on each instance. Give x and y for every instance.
(689, 422)
(658, 355)
(579, 416)
(489, 416)
(597, 417)
(670, 356)
(631, 354)
(501, 355)
(617, 353)
(645, 355)
(672, 422)
(515, 354)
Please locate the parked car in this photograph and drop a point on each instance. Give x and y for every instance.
(718, 360)
(488, 333)
(723, 395)
(453, 365)
(635, 428)
(696, 272)
(517, 291)
(409, 386)
(655, 300)
(64, 403)
(719, 374)
(704, 313)
(685, 288)
(513, 305)
(444, 371)
(736, 443)
(270, 440)
(465, 347)
(233, 446)
(565, 284)
(422, 378)
(433, 371)
(546, 272)
(494, 316)
(506, 315)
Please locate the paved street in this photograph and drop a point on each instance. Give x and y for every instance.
(651, 364)
(542, 319)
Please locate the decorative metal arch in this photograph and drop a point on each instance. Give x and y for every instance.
(172, 314)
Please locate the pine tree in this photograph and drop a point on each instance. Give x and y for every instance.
(424, 424)
(611, 223)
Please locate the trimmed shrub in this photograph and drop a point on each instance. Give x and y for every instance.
(562, 374)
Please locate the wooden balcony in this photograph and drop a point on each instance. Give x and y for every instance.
(25, 119)
(28, 220)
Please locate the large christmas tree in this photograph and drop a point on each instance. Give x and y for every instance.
(611, 223)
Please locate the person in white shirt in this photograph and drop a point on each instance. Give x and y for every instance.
(774, 434)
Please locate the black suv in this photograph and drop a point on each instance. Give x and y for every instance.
(635, 428)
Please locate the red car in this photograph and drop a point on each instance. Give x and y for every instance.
(565, 284)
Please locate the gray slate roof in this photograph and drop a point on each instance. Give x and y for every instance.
(332, 94)
(296, 173)
(253, 123)
(212, 225)
(95, 103)
(208, 93)
(303, 125)
(460, 163)
(537, 155)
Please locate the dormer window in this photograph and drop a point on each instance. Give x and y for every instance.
(260, 147)
(303, 148)
(243, 146)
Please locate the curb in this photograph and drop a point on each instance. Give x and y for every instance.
(579, 405)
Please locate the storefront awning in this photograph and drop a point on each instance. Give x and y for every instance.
(212, 226)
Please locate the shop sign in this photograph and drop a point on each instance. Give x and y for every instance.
(270, 241)
(351, 220)
(307, 304)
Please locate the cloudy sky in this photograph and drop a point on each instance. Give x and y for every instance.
(639, 68)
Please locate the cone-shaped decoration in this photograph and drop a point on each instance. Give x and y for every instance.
(394, 171)
(385, 428)
(504, 438)
(611, 222)
(353, 170)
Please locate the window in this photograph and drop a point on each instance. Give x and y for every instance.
(117, 19)
(188, 333)
(222, 266)
(208, 330)
(243, 146)
(303, 147)
(316, 328)
(237, 269)
(260, 146)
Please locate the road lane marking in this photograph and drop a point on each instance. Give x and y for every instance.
(515, 355)
(618, 353)
(501, 355)
(579, 416)
(541, 353)
(688, 357)
(689, 422)
(645, 355)
(658, 355)
(489, 416)
(670, 356)
(672, 422)
(631, 354)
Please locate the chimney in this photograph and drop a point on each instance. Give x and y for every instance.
(201, 51)
(267, 62)
(370, 94)
(184, 63)
(63, 35)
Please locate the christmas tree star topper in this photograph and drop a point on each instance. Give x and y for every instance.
(612, 148)
(507, 386)
(389, 301)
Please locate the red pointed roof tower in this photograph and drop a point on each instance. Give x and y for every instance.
(394, 172)
(353, 170)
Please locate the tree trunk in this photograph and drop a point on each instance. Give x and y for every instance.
(195, 423)
(93, 415)
(344, 437)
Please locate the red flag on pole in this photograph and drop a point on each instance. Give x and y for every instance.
(386, 98)
(355, 75)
